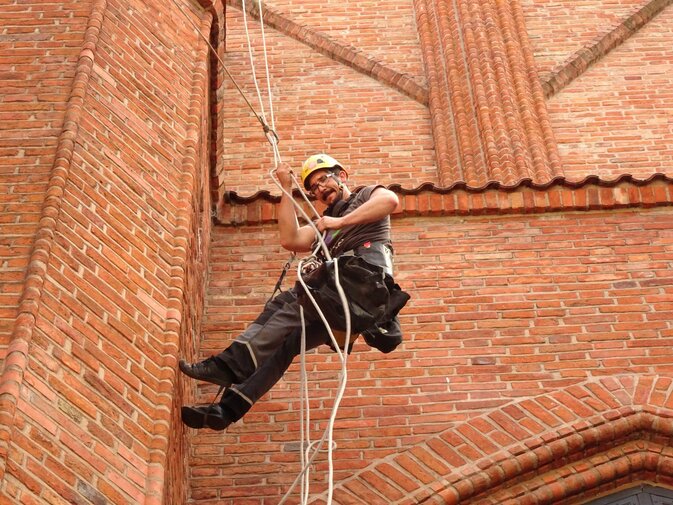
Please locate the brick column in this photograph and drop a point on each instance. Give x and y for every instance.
(488, 109)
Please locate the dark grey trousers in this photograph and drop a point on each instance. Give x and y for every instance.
(260, 355)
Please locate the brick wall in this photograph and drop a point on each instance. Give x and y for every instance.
(503, 308)
(568, 447)
(319, 105)
(615, 118)
(115, 286)
(611, 61)
(38, 52)
(560, 29)
(384, 30)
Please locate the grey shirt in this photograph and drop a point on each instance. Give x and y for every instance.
(350, 237)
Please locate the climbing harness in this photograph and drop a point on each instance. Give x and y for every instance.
(281, 277)
(310, 264)
(309, 449)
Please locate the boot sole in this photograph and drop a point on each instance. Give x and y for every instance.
(184, 368)
(198, 420)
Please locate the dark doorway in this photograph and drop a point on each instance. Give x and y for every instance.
(641, 495)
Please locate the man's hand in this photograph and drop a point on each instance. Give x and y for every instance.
(285, 175)
(329, 223)
(292, 236)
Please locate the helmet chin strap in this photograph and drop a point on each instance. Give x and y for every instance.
(340, 184)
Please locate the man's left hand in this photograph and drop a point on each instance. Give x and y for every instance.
(329, 223)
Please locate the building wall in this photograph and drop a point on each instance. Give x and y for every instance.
(385, 30)
(503, 308)
(558, 30)
(616, 117)
(319, 105)
(39, 51)
(536, 365)
(108, 213)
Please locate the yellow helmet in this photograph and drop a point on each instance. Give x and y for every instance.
(317, 162)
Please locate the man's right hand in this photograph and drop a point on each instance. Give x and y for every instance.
(285, 175)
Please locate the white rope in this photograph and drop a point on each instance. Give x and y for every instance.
(266, 62)
(304, 412)
(271, 135)
(306, 460)
(252, 62)
(328, 433)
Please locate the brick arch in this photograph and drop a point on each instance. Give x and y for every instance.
(574, 483)
(589, 437)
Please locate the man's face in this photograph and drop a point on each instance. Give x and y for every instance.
(324, 186)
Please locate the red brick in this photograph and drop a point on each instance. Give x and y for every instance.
(550, 299)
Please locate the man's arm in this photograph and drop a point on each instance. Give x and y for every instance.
(381, 203)
(292, 236)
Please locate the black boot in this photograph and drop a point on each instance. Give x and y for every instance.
(206, 416)
(207, 370)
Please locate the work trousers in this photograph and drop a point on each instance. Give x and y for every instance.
(260, 355)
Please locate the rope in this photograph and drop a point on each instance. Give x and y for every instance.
(267, 129)
(304, 412)
(307, 460)
(252, 61)
(306, 456)
(266, 61)
(273, 140)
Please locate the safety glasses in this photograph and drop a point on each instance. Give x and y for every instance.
(319, 182)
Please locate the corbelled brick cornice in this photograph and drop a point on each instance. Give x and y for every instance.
(526, 196)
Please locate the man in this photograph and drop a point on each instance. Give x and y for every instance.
(357, 224)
